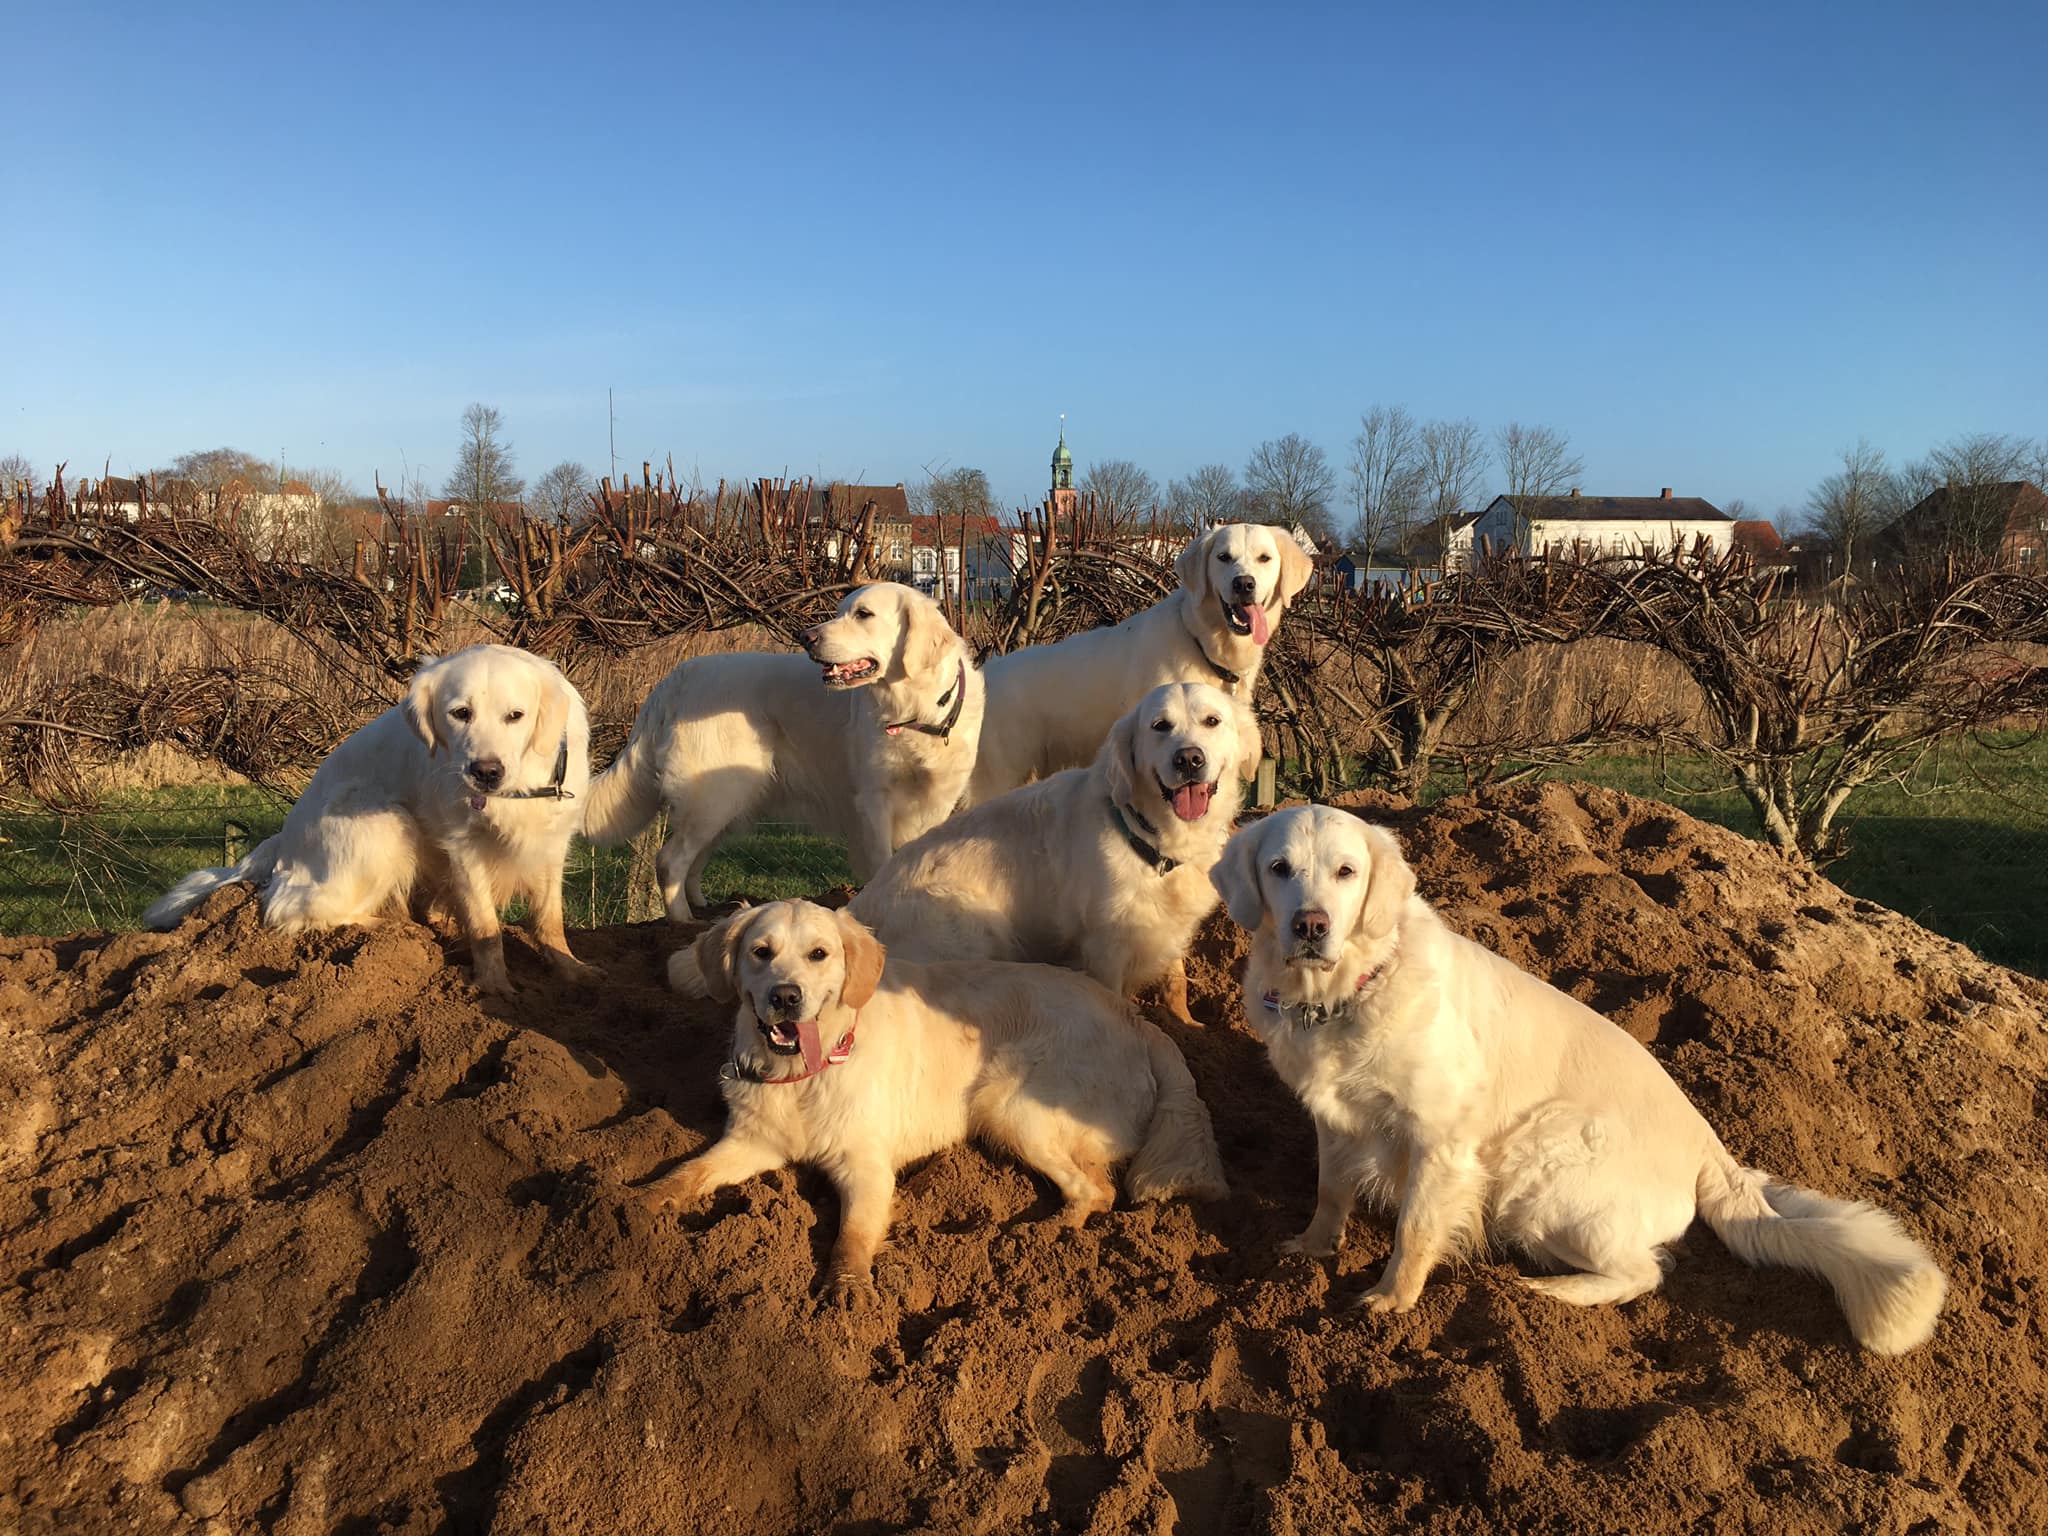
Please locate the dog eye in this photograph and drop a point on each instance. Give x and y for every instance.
(863, 613)
(1345, 871)
(1211, 721)
(1264, 558)
(459, 712)
(763, 952)
(817, 954)
(1162, 725)
(517, 714)
(1282, 868)
(1226, 559)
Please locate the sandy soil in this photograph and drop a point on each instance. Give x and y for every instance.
(300, 1236)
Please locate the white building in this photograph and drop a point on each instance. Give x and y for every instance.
(1602, 526)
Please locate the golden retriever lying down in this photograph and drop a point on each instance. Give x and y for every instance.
(870, 738)
(1049, 706)
(463, 797)
(1105, 868)
(859, 1064)
(1469, 1095)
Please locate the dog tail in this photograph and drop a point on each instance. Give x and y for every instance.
(1887, 1284)
(1179, 1152)
(169, 909)
(624, 798)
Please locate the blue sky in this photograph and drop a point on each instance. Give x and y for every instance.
(1715, 245)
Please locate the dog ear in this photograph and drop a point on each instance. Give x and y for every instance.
(1251, 746)
(1296, 569)
(1119, 758)
(864, 959)
(551, 712)
(1389, 884)
(419, 703)
(1236, 877)
(717, 952)
(1191, 565)
(927, 637)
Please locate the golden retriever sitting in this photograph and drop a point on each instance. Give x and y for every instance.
(464, 796)
(1470, 1096)
(1104, 868)
(871, 739)
(1049, 706)
(858, 1063)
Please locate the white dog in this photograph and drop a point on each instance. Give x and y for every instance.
(1461, 1090)
(462, 797)
(877, 753)
(1049, 706)
(1038, 1061)
(1104, 868)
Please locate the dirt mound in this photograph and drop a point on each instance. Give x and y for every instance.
(301, 1237)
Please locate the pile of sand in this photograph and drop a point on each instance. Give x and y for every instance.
(304, 1238)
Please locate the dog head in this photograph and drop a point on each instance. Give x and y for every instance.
(882, 632)
(1242, 575)
(500, 712)
(789, 964)
(1169, 756)
(1325, 878)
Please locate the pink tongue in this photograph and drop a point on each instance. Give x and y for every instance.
(1191, 801)
(1257, 615)
(814, 1048)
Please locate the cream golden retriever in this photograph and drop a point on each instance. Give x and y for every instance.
(1104, 869)
(857, 1063)
(870, 739)
(1049, 706)
(1473, 1098)
(462, 797)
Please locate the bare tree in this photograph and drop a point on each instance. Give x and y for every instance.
(558, 495)
(1386, 478)
(17, 472)
(483, 482)
(1119, 487)
(1287, 480)
(1453, 460)
(1974, 474)
(1851, 505)
(1536, 461)
(214, 469)
(1208, 496)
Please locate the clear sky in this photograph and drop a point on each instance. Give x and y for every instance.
(1714, 244)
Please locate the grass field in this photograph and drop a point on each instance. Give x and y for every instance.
(1962, 849)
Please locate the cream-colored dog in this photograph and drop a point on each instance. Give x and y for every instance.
(463, 797)
(1470, 1096)
(857, 1063)
(875, 753)
(1104, 868)
(1049, 706)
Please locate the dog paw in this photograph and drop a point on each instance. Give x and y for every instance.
(568, 968)
(496, 984)
(848, 1290)
(1303, 1247)
(1384, 1298)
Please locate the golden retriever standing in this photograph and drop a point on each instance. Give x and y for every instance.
(464, 796)
(858, 1063)
(876, 753)
(1104, 868)
(1469, 1095)
(1049, 706)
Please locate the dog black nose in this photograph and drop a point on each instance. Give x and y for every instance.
(809, 638)
(786, 999)
(1189, 761)
(1244, 586)
(1312, 924)
(487, 771)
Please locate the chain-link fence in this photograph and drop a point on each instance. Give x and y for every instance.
(1961, 847)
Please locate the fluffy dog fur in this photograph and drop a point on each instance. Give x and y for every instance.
(724, 739)
(1049, 706)
(1044, 873)
(1038, 1061)
(1471, 1096)
(427, 806)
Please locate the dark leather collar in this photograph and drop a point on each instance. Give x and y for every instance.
(957, 693)
(552, 790)
(1149, 852)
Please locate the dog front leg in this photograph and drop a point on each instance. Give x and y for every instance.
(729, 1160)
(867, 1189)
(1439, 1205)
(1336, 1197)
(548, 929)
(477, 911)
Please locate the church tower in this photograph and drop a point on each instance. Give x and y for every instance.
(1063, 498)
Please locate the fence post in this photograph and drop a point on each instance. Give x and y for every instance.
(1267, 786)
(643, 891)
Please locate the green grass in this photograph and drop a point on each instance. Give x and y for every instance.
(1962, 848)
